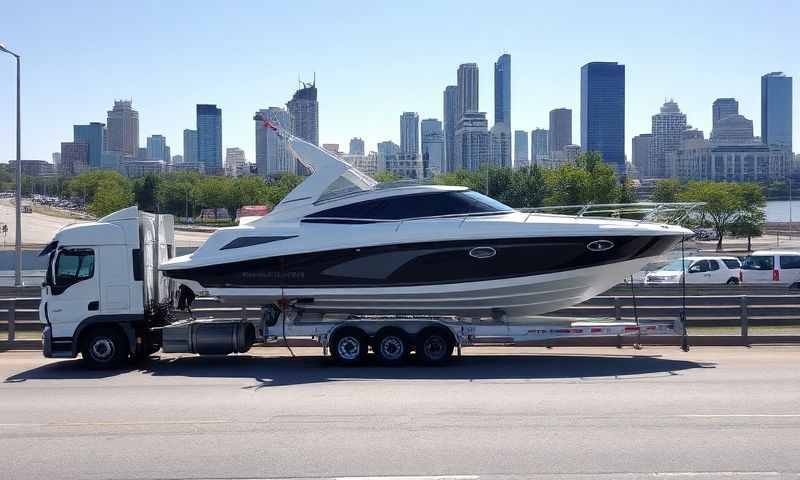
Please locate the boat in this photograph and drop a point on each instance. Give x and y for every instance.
(340, 242)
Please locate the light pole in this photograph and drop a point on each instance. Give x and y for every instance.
(18, 196)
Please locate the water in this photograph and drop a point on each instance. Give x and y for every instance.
(778, 210)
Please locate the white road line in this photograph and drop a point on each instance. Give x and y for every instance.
(741, 415)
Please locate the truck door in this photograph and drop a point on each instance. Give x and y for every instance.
(74, 290)
(758, 269)
(789, 268)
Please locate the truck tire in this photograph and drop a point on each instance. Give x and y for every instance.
(103, 348)
(434, 346)
(349, 346)
(733, 281)
(391, 346)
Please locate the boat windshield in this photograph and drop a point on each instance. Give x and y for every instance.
(351, 181)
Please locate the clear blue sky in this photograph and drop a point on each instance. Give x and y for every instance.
(376, 59)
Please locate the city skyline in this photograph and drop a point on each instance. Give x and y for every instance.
(349, 91)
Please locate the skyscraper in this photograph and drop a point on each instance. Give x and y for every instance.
(235, 162)
(388, 148)
(74, 158)
(450, 123)
(640, 148)
(667, 128)
(520, 149)
(190, 146)
(432, 146)
(93, 136)
(502, 90)
(472, 141)
(123, 128)
(539, 146)
(467, 89)
(157, 148)
(209, 138)
(272, 154)
(721, 108)
(603, 111)
(409, 132)
(500, 145)
(560, 132)
(356, 146)
(776, 110)
(304, 113)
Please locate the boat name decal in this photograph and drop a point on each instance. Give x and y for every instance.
(600, 245)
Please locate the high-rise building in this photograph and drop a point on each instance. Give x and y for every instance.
(367, 164)
(502, 90)
(157, 148)
(304, 113)
(776, 110)
(57, 161)
(93, 136)
(467, 89)
(521, 149)
(332, 148)
(472, 141)
(235, 162)
(560, 132)
(409, 132)
(273, 156)
(500, 145)
(177, 159)
(733, 130)
(640, 148)
(450, 123)
(603, 111)
(433, 158)
(388, 148)
(667, 129)
(356, 146)
(190, 146)
(723, 107)
(123, 128)
(209, 138)
(539, 146)
(74, 158)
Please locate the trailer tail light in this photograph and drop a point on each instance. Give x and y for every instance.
(776, 275)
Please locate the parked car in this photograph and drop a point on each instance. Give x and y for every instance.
(709, 270)
(772, 267)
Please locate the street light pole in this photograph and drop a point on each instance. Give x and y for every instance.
(18, 195)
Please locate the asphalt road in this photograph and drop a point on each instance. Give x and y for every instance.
(495, 413)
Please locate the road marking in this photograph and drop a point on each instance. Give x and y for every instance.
(741, 415)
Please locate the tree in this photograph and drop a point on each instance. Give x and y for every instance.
(145, 190)
(385, 177)
(666, 191)
(86, 185)
(109, 198)
(749, 224)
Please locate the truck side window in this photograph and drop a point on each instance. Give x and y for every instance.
(758, 263)
(72, 266)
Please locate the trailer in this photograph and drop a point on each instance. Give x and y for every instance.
(104, 298)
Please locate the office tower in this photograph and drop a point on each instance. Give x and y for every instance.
(177, 159)
(304, 113)
(167, 154)
(667, 129)
(733, 130)
(502, 90)
(190, 146)
(472, 141)
(640, 148)
(356, 146)
(235, 162)
(432, 147)
(721, 108)
(74, 158)
(467, 89)
(409, 132)
(332, 148)
(521, 149)
(450, 123)
(560, 132)
(500, 145)
(273, 156)
(776, 110)
(93, 136)
(539, 146)
(157, 148)
(209, 138)
(57, 161)
(603, 111)
(123, 128)
(367, 164)
(388, 148)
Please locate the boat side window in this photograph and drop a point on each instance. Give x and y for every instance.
(72, 266)
(789, 262)
(758, 262)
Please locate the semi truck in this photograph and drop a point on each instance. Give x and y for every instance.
(105, 299)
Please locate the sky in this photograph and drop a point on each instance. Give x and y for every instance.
(374, 60)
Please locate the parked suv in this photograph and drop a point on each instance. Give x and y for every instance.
(719, 270)
(773, 267)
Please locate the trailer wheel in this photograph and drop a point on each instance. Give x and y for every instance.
(104, 347)
(391, 345)
(434, 346)
(349, 346)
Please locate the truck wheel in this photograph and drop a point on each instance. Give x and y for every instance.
(104, 347)
(434, 346)
(349, 346)
(733, 281)
(391, 345)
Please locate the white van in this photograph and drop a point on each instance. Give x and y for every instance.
(719, 270)
(772, 266)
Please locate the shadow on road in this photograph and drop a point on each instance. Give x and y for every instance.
(278, 371)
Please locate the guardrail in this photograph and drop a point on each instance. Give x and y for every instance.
(706, 306)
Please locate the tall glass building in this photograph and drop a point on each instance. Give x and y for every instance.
(603, 111)
(502, 90)
(209, 138)
(93, 136)
(776, 110)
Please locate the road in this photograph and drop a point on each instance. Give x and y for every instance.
(495, 413)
